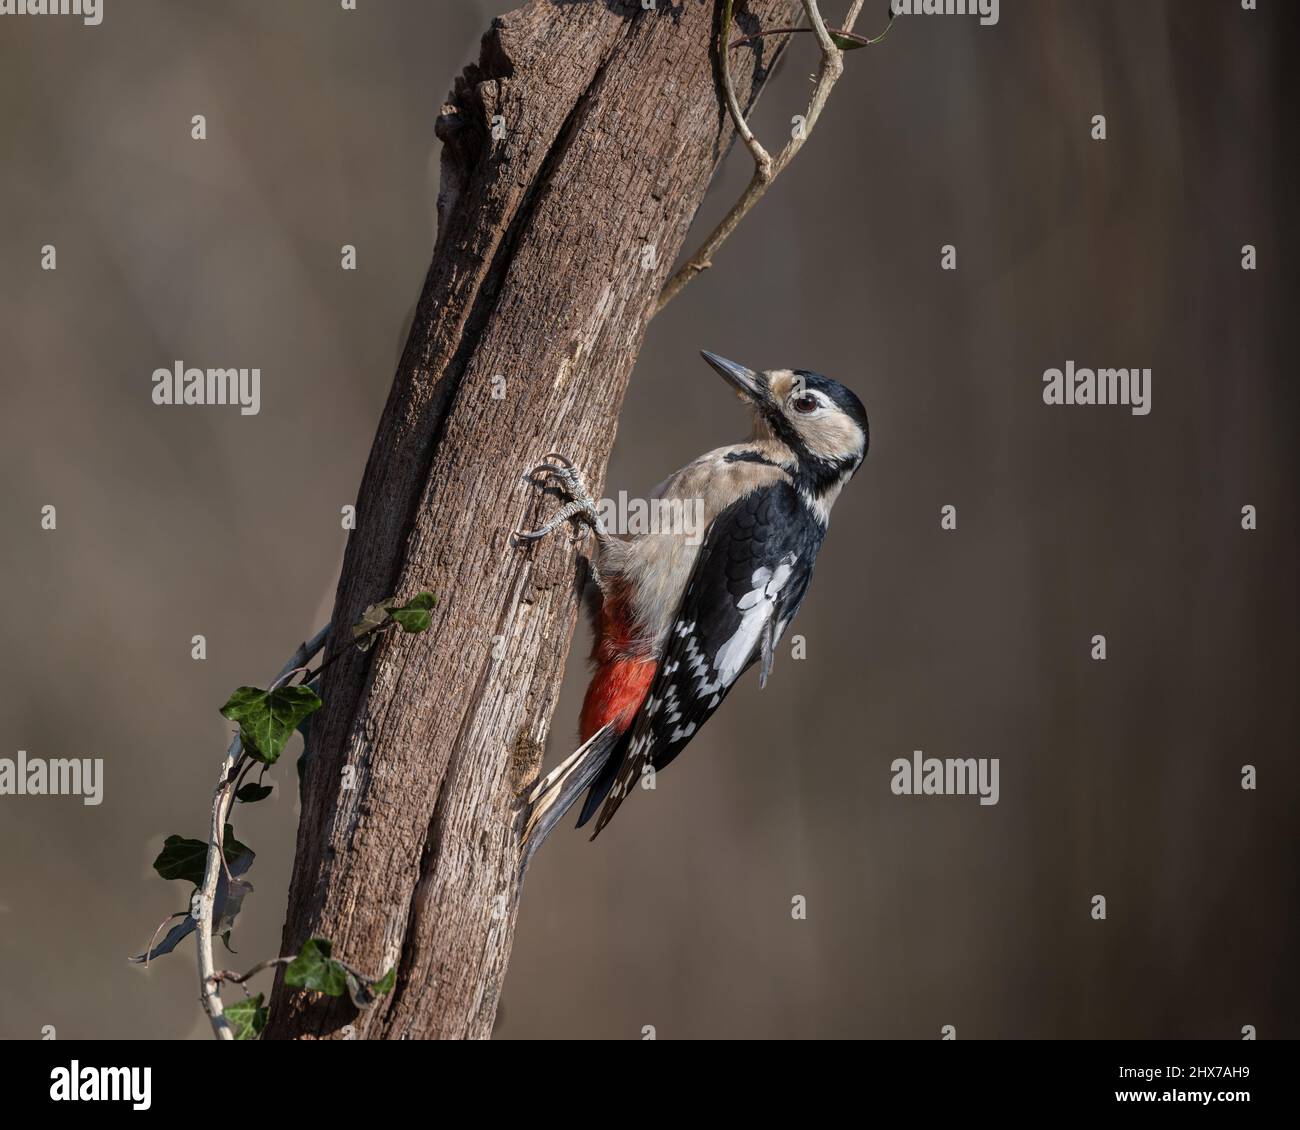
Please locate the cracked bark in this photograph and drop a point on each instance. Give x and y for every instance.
(408, 841)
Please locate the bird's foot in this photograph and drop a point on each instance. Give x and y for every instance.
(580, 504)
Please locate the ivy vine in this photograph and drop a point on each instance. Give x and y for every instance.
(267, 718)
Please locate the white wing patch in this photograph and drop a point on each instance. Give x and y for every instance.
(756, 608)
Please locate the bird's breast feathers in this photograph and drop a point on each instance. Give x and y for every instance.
(658, 565)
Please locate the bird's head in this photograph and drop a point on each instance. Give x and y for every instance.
(822, 423)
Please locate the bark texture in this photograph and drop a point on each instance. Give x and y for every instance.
(531, 318)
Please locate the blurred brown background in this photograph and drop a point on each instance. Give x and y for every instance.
(1118, 778)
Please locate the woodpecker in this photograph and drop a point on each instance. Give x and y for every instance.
(676, 623)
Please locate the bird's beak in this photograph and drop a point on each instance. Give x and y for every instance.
(745, 381)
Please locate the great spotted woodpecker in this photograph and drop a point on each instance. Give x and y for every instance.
(676, 623)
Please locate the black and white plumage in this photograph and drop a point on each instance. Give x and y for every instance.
(749, 580)
(678, 624)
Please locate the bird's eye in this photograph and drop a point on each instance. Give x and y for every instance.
(805, 403)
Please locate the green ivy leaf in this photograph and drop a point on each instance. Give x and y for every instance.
(413, 616)
(314, 969)
(251, 793)
(247, 1017)
(185, 859)
(182, 859)
(267, 719)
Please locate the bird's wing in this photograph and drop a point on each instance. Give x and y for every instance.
(749, 579)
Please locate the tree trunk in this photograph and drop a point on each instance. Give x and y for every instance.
(608, 126)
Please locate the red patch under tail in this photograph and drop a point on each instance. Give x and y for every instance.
(621, 681)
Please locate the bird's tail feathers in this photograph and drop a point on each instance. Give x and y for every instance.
(555, 793)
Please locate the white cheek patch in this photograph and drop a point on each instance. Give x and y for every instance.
(829, 435)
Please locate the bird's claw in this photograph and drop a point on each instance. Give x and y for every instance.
(580, 502)
(565, 466)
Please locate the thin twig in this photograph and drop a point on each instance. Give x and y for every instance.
(205, 896)
(762, 159)
(836, 33)
(260, 967)
(766, 167)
